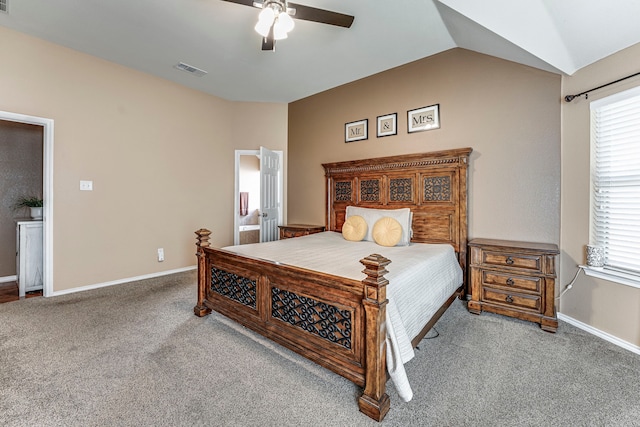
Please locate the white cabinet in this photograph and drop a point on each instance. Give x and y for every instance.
(29, 256)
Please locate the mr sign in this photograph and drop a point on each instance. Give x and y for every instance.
(356, 131)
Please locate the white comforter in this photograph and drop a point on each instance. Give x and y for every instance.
(421, 278)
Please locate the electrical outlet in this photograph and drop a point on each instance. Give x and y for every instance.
(160, 254)
(86, 185)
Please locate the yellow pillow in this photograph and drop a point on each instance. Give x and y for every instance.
(387, 231)
(354, 228)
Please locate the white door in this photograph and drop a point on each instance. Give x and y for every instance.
(269, 207)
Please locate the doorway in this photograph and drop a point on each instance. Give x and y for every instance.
(248, 200)
(46, 126)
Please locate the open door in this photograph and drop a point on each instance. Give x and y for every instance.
(46, 268)
(269, 197)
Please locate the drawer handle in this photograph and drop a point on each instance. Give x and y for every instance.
(509, 260)
(509, 299)
(510, 281)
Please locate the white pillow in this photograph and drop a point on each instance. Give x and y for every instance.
(403, 216)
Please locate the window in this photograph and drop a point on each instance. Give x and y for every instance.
(615, 184)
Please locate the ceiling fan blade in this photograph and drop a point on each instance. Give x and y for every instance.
(244, 2)
(298, 11)
(308, 13)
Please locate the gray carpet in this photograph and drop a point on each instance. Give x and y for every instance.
(135, 355)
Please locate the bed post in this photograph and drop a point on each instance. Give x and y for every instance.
(202, 242)
(374, 401)
(464, 226)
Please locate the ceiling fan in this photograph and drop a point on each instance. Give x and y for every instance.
(274, 22)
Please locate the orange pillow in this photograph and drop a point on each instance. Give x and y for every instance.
(387, 231)
(354, 228)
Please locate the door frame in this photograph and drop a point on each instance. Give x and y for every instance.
(236, 193)
(47, 192)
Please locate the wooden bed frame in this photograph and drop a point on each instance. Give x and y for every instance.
(336, 322)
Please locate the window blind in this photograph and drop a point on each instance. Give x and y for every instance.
(615, 175)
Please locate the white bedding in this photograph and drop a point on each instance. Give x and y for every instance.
(416, 289)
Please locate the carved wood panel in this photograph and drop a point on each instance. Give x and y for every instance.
(439, 188)
(370, 190)
(436, 188)
(440, 227)
(321, 319)
(401, 189)
(233, 286)
(343, 191)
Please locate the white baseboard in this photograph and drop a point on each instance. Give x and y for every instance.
(121, 281)
(6, 279)
(605, 336)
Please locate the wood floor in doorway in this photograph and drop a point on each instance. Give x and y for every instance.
(9, 292)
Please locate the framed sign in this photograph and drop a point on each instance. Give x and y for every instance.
(425, 118)
(356, 131)
(387, 125)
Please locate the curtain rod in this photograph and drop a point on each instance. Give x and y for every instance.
(569, 98)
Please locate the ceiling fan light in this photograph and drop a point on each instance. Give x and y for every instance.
(267, 15)
(262, 28)
(278, 31)
(285, 21)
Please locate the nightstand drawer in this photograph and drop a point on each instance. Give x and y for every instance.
(509, 259)
(494, 278)
(288, 233)
(496, 296)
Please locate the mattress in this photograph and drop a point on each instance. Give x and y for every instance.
(421, 278)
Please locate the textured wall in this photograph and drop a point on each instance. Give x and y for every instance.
(20, 176)
(508, 113)
(607, 306)
(160, 155)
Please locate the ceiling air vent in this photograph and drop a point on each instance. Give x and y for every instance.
(185, 67)
(4, 7)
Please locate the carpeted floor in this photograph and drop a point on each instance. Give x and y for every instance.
(135, 355)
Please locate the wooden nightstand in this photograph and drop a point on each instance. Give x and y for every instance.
(515, 279)
(297, 230)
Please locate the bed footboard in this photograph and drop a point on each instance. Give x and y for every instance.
(335, 322)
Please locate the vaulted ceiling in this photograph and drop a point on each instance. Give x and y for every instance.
(560, 36)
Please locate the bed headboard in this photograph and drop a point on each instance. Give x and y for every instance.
(433, 185)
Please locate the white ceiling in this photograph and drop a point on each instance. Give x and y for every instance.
(152, 36)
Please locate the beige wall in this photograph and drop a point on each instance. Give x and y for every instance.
(607, 306)
(161, 158)
(508, 113)
(262, 125)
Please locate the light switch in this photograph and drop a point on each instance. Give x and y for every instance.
(86, 185)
